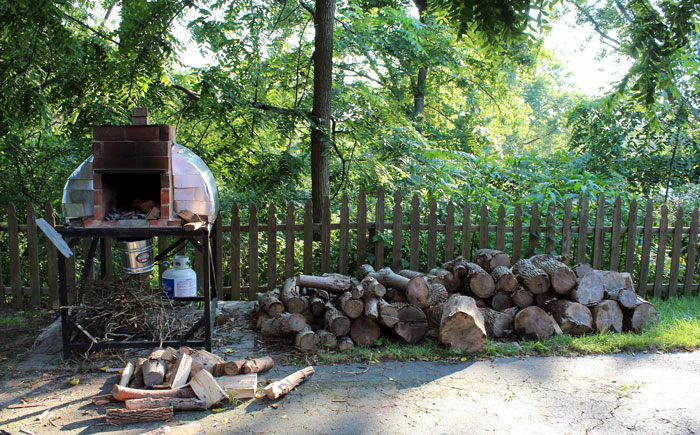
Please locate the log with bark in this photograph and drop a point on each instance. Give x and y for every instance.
(533, 323)
(317, 306)
(446, 278)
(190, 404)
(364, 270)
(153, 369)
(412, 324)
(328, 340)
(573, 318)
(625, 297)
(365, 331)
(345, 343)
(607, 316)
(388, 314)
(501, 301)
(423, 294)
(335, 321)
(262, 316)
(117, 416)
(490, 259)
(372, 288)
(581, 269)
(478, 282)
(395, 296)
(589, 290)
(505, 279)
(257, 365)
(531, 277)
(637, 318)
(499, 324)
(462, 325)
(123, 393)
(331, 282)
(562, 279)
(388, 278)
(353, 308)
(137, 378)
(306, 340)
(284, 325)
(457, 267)
(228, 368)
(270, 302)
(522, 297)
(434, 315)
(543, 299)
(290, 296)
(278, 389)
(372, 308)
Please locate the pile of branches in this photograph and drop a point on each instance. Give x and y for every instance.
(127, 307)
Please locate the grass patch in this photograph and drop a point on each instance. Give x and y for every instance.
(678, 329)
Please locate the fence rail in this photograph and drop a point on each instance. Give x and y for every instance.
(272, 247)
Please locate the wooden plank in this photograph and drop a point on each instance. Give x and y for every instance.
(630, 252)
(344, 236)
(676, 254)
(692, 247)
(661, 252)
(379, 230)
(361, 228)
(326, 235)
(615, 235)
(582, 241)
(501, 229)
(415, 233)
(450, 232)
(549, 230)
(240, 386)
(15, 265)
(432, 234)
(308, 238)
(51, 262)
(396, 233)
(33, 253)
(289, 242)
(566, 233)
(598, 236)
(253, 252)
(517, 233)
(219, 255)
(467, 231)
(534, 235)
(484, 227)
(646, 251)
(235, 253)
(271, 247)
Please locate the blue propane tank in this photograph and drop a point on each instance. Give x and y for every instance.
(179, 281)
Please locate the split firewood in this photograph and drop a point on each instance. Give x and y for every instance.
(317, 306)
(345, 343)
(372, 288)
(241, 386)
(170, 355)
(137, 378)
(278, 389)
(412, 324)
(228, 368)
(582, 269)
(522, 297)
(123, 393)
(499, 324)
(625, 297)
(183, 367)
(365, 331)
(270, 302)
(501, 301)
(206, 388)
(446, 278)
(116, 416)
(457, 267)
(372, 308)
(462, 325)
(479, 282)
(203, 360)
(607, 316)
(388, 314)
(353, 308)
(489, 259)
(154, 368)
(332, 283)
(127, 372)
(257, 365)
(290, 297)
(572, 317)
(191, 428)
(191, 404)
(307, 340)
(533, 323)
(335, 321)
(505, 279)
(153, 213)
(364, 270)
(640, 316)
(388, 278)
(328, 340)
(284, 325)
(531, 277)
(189, 216)
(561, 277)
(589, 290)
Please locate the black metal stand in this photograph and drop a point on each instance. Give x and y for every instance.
(69, 326)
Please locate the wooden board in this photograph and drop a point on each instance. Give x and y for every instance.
(240, 386)
(55, 238)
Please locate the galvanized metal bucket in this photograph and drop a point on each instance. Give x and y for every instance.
(136, 255)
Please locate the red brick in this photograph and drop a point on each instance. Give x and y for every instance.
(121, 148)
(167, 132)
(108, 132)
(141, 132)
(97, 181)
(165, 180)
(175, 223)
(165, 211)
(164, 198)
(99, 212)
(97, 149)
(153, 149)
(98, 199)
(98, 163)
(158, 222)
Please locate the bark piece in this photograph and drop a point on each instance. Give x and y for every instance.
(479, 282)
(137, 378)
(505, 279)
(434, 315)
(123, 393)
(284, 325)
(372, 288)
(607, 316)
(640, 316)
(353, 308)
(561, 277)
(328, 340)
(412, 324)
(462, 325)
(489, 259)
(240, 386)
(364, 331)
(117, 416)
(257, 365)
(191, 404)
(626, 298)
(206, 388)
(533, 323)
(290, 297)
(388, 314)
(522, 297)
(333, 283)
(345, 343)
(531, 277)
(191, 428)
(270, 303)
(183, 367)
(284, 386)
(572, 317)
(499, 324)
(307, 340)
(335, 321)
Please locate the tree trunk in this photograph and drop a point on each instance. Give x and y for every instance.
(531, 277)
(419, 88)
(372, 308)
(499, 324)
(412, 324)
(505, 279)
(640, 316)
(607, 316)
(478, 281)
(573, 318)
(561, 277)
(177, 404)
(257, 365)
(324, 16)
(284, 325)
(372, 288)
(290, 296)
(364, 331)
(390, 279)
(532, 323)
(490, 259)
(333, 283)
(462, 325)
(365, 270)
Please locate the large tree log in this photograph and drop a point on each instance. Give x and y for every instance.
(625, 297)
(462, 325)
(177, 404)
(336, 322)
(522, 297)
(434, 314)
(364, 270)
(372, 308)
(505, 279)
(573, 318)
(533, 323)
(290, 296)
(446, 278)
(423, 294)
(154, 368)
(372, 288)
(590, 289)
(457, 267)
(284, 386)
(531, 277)
(307, 340)
(328, 339)
(501, 301)
(333, 283)
(607, 316)
(117, 416)
(561, 277)
(257, 365)
(284, 325)
(390, 279)
(388, 314)
(364, 331)
(262, 316)
(499, 324)
(489, 259)
(270, 303)
(640, 316)
(353, 308)
(412, 324)
(123, 393)
(479, 282)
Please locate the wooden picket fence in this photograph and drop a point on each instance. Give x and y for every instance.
(638, 242)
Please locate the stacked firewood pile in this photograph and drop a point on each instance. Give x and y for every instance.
(462, 303)
(187, 380)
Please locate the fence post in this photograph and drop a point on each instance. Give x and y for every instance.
(33, 251)
(534, 230)
(598, 236)
(467, 231)
(379, 230)
(361, 228)
(661, 252)
(450, 232)
(396, 233)
(289, 241)
(484, 227)
(549, 230)
(415, 233)
(676, 253)
(690, 259)
(343, 237)
(646, 250)
(308, 238)
(501, 229)
(517, 233)
(631, 237)
(432, 234)
(253, 252)
(235, 253)
(615, 236)
(582, 230)
(566, 232)
(326, 235)
(15, 266)
(271, 247)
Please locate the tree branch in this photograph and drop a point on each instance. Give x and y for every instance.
(95, 31)
(595, 25)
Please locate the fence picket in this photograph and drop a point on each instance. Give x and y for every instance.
(676, 253)
(309, 238)
(661, 252)
(379, 230)
(630, 252)
(415, 233)
(432, 235)
(253, 252)
(235, 292)
(467, 231)
(108, 263)
(33, 252)
(534, 236)
(219, 255)
(690, 259)
(86, 251)
(501, 229)
(289, 237)
(343, 237)
(549, 234)
(361, 229)
(646, 251)
(396, 235)
(566, 232)
(51, 259)
(517, 233)
(582, 241)
(271, 246)
(326, 235)
(15, 266)
(484, 227)
(598, 236)
(615, 236)
(450, 232)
